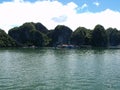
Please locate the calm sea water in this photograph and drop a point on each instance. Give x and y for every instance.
(61, 69)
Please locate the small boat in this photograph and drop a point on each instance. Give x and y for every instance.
(69, 46)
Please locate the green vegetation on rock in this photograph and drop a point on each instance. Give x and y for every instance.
(28, 35)
(36, 34)
(6, 40)
(99, 37)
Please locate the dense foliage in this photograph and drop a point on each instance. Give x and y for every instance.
(99, 37)
(35, 34)
(113, 36)
(60, 35)
(30, 35)
(6, 41)
(81, 36)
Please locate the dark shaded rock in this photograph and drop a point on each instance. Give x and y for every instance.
(99, 37)
(40, 27)
(81, 37)
(60, 35)
(28, 35)
(6, 40)
(113, 36)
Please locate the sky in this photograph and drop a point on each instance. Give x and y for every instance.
(72, 13)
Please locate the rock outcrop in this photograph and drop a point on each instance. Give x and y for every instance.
(6, 40)
(40, 27)
(29, 35)
(60, 35)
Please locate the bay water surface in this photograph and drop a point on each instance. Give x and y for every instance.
(59, 69)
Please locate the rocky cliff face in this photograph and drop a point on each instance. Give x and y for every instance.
(41, 28)
(60, 35)
(64, 34)
(6, 40)
(35, 34)
(29, 35)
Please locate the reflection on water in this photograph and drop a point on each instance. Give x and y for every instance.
(62, 69)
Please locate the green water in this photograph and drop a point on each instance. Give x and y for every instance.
(62, 69)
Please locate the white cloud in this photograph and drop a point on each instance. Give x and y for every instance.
(107, 18)
(17, 12)
(52, 13)
(84, 6)
(96, 3)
